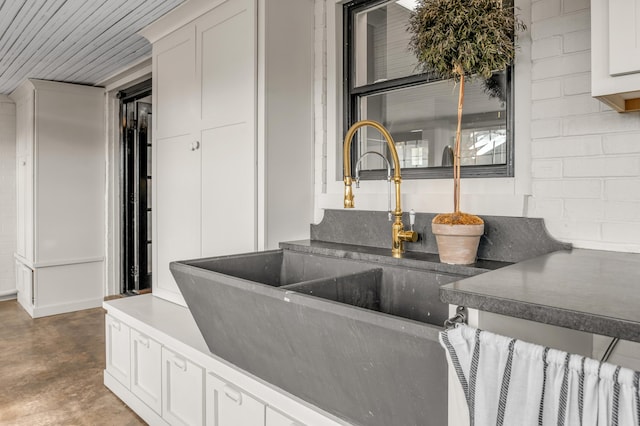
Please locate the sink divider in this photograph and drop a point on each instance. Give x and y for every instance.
(361, 289)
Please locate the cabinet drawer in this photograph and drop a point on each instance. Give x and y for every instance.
(228, 405)
(182, 390)
(117, 347)
(146, 370)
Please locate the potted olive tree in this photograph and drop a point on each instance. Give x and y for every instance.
(458, 39)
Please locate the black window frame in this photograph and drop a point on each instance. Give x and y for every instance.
(351, 95)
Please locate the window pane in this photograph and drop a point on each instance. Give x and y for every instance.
(381, 44)
(423, 120)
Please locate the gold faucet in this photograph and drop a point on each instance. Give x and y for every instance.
(398, 233)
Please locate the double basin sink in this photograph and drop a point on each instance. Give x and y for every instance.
(358, 339)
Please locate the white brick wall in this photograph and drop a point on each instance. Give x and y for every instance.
(546, 89)
(320, 96)
(585, 157)
(584, 165)
(7, 193)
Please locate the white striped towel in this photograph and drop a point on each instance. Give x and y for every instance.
(510, 382)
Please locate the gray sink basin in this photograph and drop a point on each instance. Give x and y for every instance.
(355, 338)
(278, 267)
(400, 292)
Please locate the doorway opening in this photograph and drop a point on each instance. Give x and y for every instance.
(135, 178)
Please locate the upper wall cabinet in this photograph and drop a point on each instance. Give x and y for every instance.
(233, 135)
(615, 53)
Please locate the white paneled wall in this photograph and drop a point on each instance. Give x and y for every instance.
(585, 157)
(7, 194)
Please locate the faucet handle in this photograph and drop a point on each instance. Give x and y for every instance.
(412, 218)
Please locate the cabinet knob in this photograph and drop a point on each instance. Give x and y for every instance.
(195, 145)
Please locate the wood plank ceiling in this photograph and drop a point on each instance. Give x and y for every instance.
(78, 41)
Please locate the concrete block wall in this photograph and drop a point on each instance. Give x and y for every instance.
(585, 157)
(7, 194)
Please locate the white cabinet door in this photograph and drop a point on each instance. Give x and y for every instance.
(176, 159)
(276, 418)
(182, 390)
(227, 71)
(22, 185)
(70, 175)
(227, 76)
(624, 37)
(228, 182)
(174, 83)
(227, 405)
(177, 193)
(24, 175)
(146, 370)
(117, 347)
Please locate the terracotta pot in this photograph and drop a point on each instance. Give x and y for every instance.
(457, 244)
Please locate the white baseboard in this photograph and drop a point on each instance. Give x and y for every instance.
(44, 311)
(8, 295)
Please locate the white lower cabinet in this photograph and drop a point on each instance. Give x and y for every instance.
(146, 370)
(158, 363)
(276, 418)
(182, 390)
(117, 346)
(228, 405)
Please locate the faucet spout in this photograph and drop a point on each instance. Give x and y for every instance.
(398, 233)
(357, 177)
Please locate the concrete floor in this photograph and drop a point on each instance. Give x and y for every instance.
(51, 370)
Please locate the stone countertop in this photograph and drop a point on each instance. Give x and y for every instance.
(588, 290)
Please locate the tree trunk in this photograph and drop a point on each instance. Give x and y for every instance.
(456, 157)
